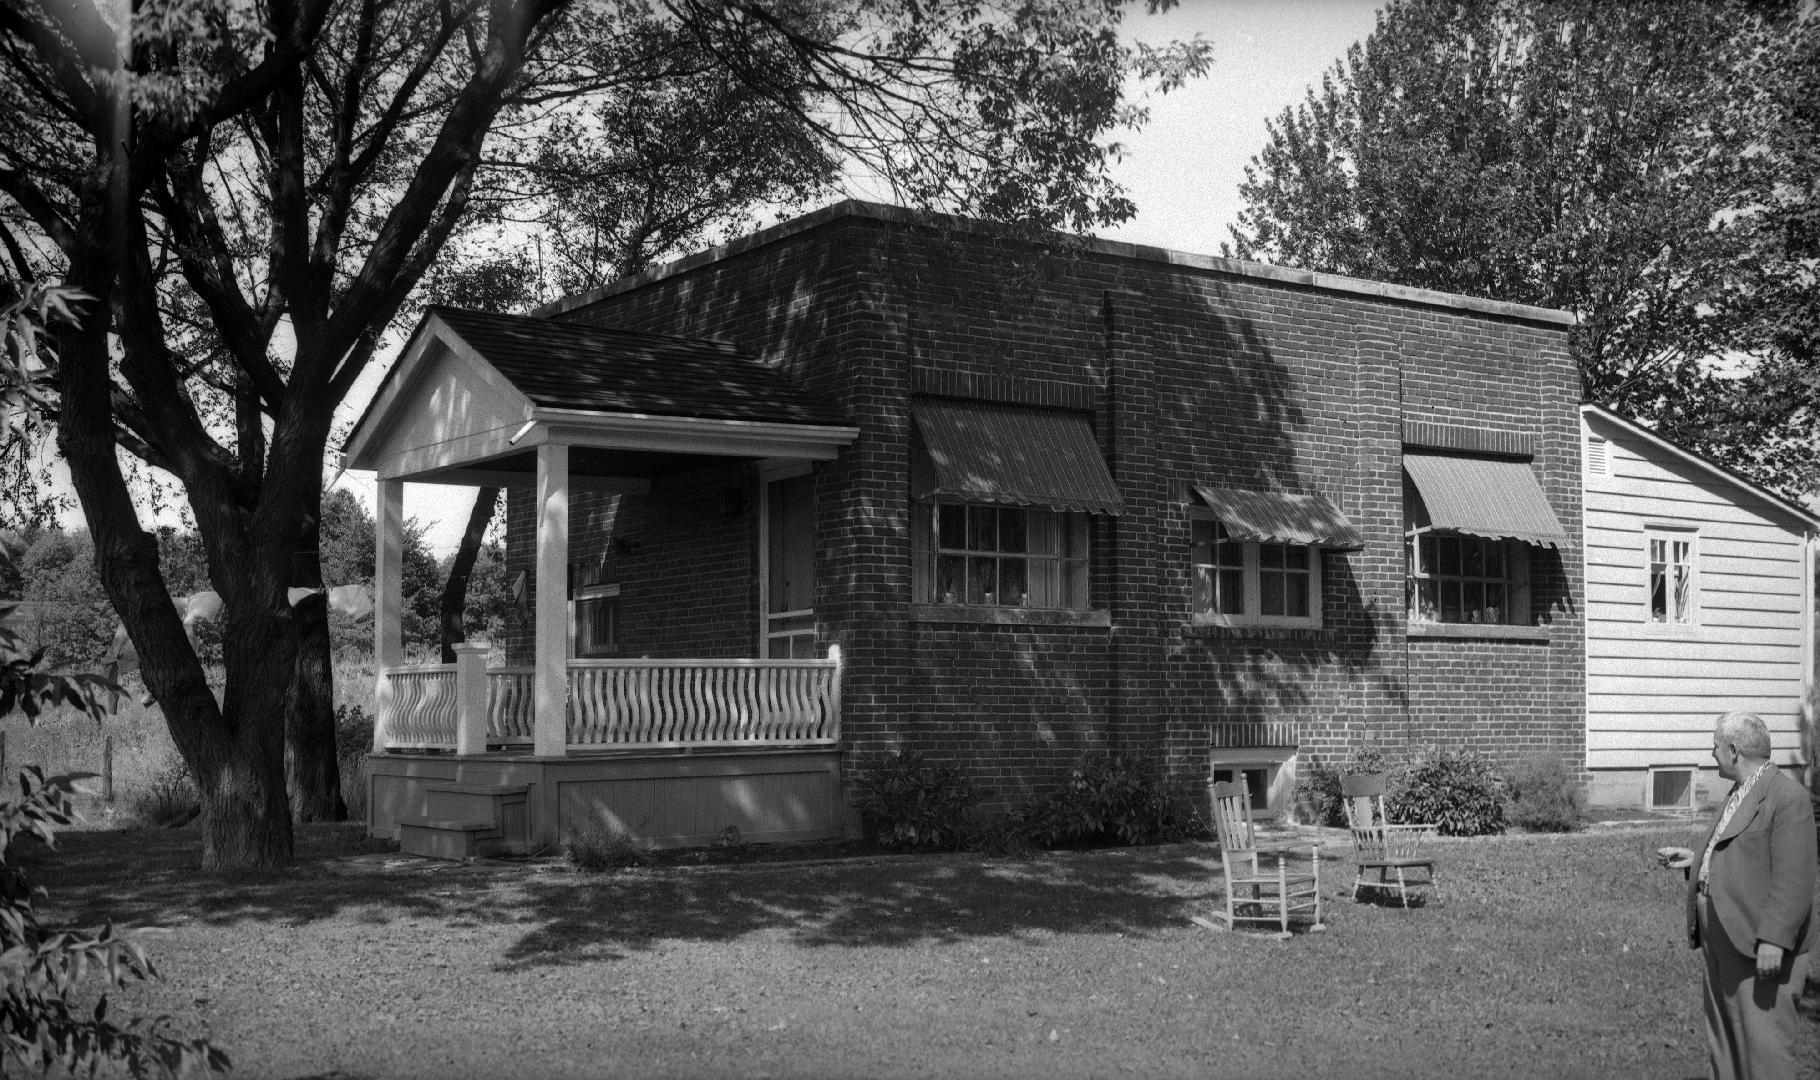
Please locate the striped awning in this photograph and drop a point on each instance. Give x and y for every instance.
(1494, 497)
(1275, 518)
(984, 452)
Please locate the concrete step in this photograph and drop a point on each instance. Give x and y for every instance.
(443, 838)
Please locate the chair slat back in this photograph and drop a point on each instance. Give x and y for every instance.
(1363, 797)
(1232, 818)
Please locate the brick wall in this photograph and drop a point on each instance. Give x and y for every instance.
(1189, 374)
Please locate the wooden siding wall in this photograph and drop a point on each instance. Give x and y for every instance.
(1653, 692)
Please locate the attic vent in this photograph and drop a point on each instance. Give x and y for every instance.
(1671, 787)
(1598, 462)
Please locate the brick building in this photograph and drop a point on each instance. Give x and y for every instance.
(1106, 497)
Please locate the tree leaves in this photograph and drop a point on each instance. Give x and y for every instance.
(1643, 165)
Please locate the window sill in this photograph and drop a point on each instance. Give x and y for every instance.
(1219, 632)
(1479, 631)
(1008, 616)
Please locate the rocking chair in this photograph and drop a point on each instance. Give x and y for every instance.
(1256, 892)
(1381, 846)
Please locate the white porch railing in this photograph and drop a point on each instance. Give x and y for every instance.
(628, 704)
(423, 711)
(676, 703)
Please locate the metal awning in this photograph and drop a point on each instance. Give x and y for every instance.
(982, 452)
(1494, 497)
(1275, 518)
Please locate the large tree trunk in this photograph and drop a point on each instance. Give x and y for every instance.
(311, 766)
(455, 590)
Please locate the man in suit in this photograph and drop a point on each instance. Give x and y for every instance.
(1750, 897)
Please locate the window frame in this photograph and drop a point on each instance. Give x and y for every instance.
(1670, 535)
(1513, 554)
(1072, 562)
(594, 594)
(1252, 572)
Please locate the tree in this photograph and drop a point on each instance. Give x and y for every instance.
(209, 172)
(1618, 160)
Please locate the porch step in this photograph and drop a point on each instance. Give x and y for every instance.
(465, 821)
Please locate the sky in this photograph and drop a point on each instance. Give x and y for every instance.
(1182, 170)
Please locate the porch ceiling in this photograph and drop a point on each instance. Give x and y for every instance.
(473, 396)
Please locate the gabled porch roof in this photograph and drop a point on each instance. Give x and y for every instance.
(473, 395)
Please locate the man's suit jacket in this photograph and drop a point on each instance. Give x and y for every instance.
(1762, 876)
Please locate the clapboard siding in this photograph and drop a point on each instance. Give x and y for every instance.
(1652, 692)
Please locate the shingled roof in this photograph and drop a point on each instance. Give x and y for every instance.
(566, 365)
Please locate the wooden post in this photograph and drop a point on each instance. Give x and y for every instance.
(107, 769)
(471, 698)
(388, 601)
(549, 725)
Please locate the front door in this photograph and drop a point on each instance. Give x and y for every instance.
(788, 629)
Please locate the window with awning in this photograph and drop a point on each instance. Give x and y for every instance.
(1255, 556)
(1003, 497)
(1470, 524)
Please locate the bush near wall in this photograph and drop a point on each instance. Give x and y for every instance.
(1458, 791)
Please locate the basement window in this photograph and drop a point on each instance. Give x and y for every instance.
(1671, 787)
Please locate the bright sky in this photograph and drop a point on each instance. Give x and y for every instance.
(1183, 169)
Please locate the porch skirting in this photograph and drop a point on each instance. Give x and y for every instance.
(667, 798)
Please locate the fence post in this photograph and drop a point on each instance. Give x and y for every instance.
(471, 698)
(107, 769)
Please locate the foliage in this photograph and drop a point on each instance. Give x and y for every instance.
(27, 497)
(596, 847)
(1650, 167)
(71, 619)
(1317, 790)
(1542, 794)
(1111, 799)
(41, 972)
(169, 798)
(1456, 790)
(914, 803)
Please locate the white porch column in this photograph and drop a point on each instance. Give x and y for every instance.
(549, 725)
(471, 698)
(388, 598)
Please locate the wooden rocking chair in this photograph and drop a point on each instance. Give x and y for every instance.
(1256, 892)
(1384, 847)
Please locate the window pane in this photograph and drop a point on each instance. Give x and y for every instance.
(1203, 589)
(1684, 595)
(1044, 531)
(1011, 531)
(982, 580)
(1448, 551)
(1074, 583)
(1270, 590)
(951, 580)
(1270, 556)
(1230, 552)
(1494, 603)
(1427, 565)
(1658, 550)
(1295, 556)
(1200, 533)
(1427, 601)
(1473, 593)
(1473, 552)
(1450, 601)
(1494, 559)
(953, 526)
(1295, 600)
(1232, 592)
(1013, 580)
(1658, 594)
(981, 528)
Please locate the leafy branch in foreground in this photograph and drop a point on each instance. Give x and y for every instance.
(43, 1023)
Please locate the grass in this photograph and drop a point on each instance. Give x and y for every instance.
(1553, 956)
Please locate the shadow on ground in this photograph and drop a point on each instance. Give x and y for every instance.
(568, 916)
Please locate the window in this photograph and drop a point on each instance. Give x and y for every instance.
(1671, 787)
(594, 622)
(1258, 779)
(1672, 597)
(1252, 583)
(1454, 578)
(1007, 556)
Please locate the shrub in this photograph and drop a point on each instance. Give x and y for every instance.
(1112, 799)
(1317, 790)
(596, 847)
(1458, 791)
(914, 803)
(169, 798)
(1543, 795)
(353, 731)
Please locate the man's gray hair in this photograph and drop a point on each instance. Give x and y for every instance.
(1747, 732)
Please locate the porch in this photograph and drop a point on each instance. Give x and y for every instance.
(674, 749)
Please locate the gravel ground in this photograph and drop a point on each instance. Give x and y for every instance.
(1554, 957)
